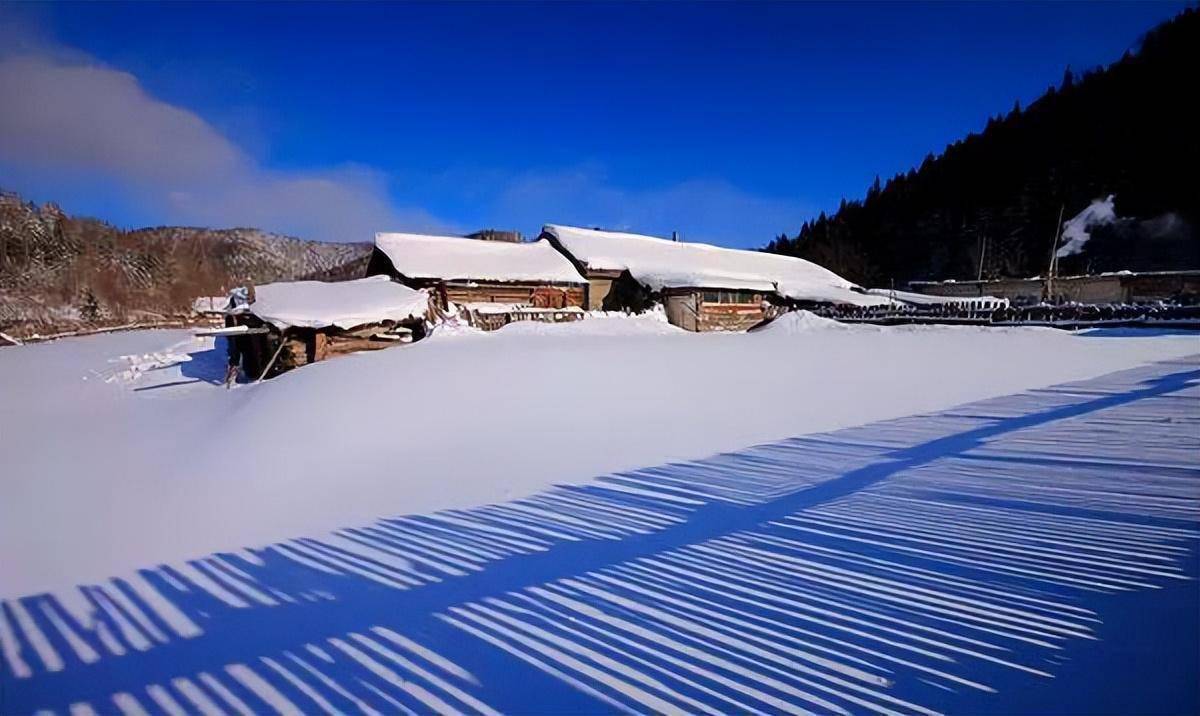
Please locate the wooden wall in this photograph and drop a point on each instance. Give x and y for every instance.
(598, 288)
(683, 310)
(1155, 287)
(540, 295)
(1111, 288)
(730, 316)
(689, 310)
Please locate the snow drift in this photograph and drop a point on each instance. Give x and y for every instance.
(104, 478)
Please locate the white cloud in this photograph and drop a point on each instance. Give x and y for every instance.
(83, 119)
(67, 120)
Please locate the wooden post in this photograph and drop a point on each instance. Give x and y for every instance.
(1054, 255)
(282, 343)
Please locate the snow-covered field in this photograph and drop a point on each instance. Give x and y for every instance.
(110, 468)
(125, 465)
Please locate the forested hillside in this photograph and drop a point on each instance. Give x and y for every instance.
(58, 271)
(1130, 130)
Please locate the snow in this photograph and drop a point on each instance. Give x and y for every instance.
(100, 479)
(599, 323)
(210, 304)
(452, 258)
(345, 304)
(492, 308)
(662, 263)
(924, 299)
(1027, 551)
(1077, 230)
(802, 322)
(135, 366)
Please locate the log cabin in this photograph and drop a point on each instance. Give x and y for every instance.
(490, 283)
(701, 287)
(275, 327)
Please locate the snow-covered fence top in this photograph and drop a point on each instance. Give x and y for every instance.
(924, 299)
(344, 304)
(663, 263)
(451, 258)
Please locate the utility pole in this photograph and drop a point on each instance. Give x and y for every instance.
(1054, 255)
(982, 253)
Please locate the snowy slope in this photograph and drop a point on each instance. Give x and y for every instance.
(161, 465)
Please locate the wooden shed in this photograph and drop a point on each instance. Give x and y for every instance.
(279, 326)
(700, 286)
(490, 282)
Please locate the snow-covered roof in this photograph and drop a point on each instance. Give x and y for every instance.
(452, 258)
(345, 304)
(663, 263)
(924, 299)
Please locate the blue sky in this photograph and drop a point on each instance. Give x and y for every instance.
(728, 122)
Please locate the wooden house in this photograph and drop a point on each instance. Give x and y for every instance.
(701, 287)
(491, 283)
(280, 326)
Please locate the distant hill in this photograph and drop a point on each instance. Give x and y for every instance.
(59, 272)
(1128, 130)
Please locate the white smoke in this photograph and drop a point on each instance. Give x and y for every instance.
(1077, 230)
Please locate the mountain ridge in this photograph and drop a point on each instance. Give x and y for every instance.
(989, 202)
(61, 272)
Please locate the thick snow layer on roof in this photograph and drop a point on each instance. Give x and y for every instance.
(924, 299)
(449, 258)
(662, 263)
(345, 304)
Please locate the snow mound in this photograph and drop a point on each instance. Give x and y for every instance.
(798, 322)
(605, 324)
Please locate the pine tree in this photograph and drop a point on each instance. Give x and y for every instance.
(1124, 130)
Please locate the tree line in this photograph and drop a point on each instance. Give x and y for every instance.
(990, 203)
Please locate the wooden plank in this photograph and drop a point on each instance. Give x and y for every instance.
(232, 331)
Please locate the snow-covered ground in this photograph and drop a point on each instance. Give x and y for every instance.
(110, 466)
(156, 507)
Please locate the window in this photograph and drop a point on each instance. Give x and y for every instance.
(732, 297)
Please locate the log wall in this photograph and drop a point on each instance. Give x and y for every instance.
(539, 295)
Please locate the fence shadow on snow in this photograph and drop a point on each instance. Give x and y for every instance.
(894, 567)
